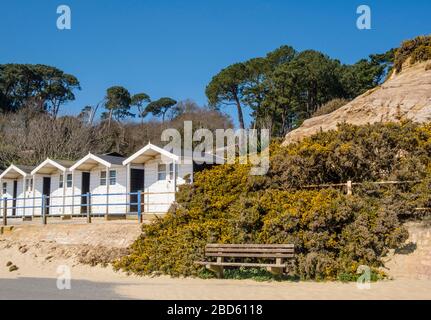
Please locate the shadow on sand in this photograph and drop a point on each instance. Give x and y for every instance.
(406, 248)
(46, 289)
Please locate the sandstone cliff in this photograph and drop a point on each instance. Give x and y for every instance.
(406, 95)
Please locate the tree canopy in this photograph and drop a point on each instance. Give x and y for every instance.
(227, 88)
(138, 100)
(118, 102)
(161, 107)
(280, 89)
(285, 87)
(42, 87)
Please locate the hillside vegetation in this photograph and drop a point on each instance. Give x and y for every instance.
(333, 232)
(417, 49)
(24, 134)
(404, 95)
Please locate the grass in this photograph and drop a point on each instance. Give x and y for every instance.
(256, 274)
(262, 275)
(353, 277)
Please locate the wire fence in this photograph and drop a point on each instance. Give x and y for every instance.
(112, 205)
(348, 186)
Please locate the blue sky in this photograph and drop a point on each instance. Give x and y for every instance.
(173, 48)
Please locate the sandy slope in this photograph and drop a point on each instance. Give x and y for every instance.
(37, 275)
(406, 95)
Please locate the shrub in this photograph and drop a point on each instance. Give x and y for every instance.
(359, 153)
(418, 49)
(333, 232)
(330, 106)
(422, 53)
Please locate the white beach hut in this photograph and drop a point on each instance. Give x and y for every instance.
(104, 176)
(52, 179)
(156, 172)
(16, 184)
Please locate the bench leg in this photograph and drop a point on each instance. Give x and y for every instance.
(218, 270)
(276, 270)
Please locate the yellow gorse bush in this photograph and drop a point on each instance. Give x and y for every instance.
(333, 232)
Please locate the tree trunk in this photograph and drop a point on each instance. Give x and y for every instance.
(93, 113)
(240, 116)
(110, 118)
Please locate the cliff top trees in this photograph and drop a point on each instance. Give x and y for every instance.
(160, 107)
(226, 88)
(43, 87)
(138, 101)
(285, 87)
(118, 102)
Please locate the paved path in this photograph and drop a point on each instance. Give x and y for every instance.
(173, 289)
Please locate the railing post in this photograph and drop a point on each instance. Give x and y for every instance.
(107, 204)
(5, 211)
(43, 208)
(349, 188)
(88, 195)
(139, 206)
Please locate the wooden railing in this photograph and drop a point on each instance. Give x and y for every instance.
(11, 208)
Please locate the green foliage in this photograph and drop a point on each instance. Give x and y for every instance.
(255, 274)
(364, 75)
(138, 100)
(422, 53)
(285, 87)
(242, 273)
(353, 277)
(160, 107)
(118, 102)
(43, 87)
(418, 49)
(227, 88)
(333, 233)
(366, 153)
(330, 106)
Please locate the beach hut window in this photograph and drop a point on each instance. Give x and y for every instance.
(103, 178)
(69, 180)
(4, 187)
(161, 172)
(29, 184)
(171, 170)
(112, 177)
(60, 182)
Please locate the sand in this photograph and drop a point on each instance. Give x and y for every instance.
(37, 275)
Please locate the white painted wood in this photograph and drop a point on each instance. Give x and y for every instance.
(158, 194)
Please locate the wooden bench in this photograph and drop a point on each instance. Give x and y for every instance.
(279, 252)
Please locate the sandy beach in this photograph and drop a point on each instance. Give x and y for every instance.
(41, 258)
(40, 281)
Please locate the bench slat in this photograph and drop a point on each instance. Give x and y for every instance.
(245, 250)
(249, 255)
(263, 246)
(241, 264)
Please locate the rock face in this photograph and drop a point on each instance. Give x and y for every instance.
(413, 259)
(406, 95)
